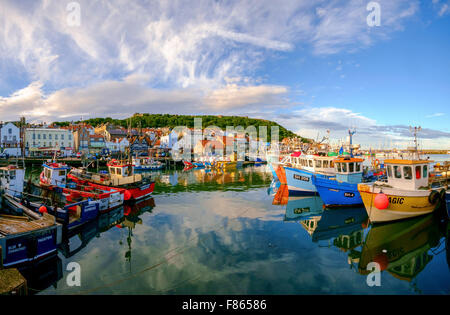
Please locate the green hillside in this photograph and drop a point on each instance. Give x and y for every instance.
(171, 121)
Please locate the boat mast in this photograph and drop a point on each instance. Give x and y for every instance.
(415, 131)
(351, 133)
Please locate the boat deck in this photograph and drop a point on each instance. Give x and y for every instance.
(15, 224)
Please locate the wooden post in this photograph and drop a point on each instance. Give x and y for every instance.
(1, 258)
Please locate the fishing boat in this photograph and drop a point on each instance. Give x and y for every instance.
(341, 190)
(69, 213)
(300, 170)
(121, 175)
(146, 164)
(407, 192)
(401, 248)
(278, 169)
(54, 176)
(28, 237)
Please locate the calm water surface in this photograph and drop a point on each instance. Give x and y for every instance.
(238, 233)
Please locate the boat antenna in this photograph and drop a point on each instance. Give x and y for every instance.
(415, 131)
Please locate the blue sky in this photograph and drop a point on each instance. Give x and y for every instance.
(310, 66)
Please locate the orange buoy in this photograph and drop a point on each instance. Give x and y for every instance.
(42, 209)
(381, 201)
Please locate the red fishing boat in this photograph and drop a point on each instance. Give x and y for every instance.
(54, 177)
(121, 175)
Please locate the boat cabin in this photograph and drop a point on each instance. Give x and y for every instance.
(312, 163)
(120, 170)
(55, 174)
(408, 174)
(348, 169)
(11, 180)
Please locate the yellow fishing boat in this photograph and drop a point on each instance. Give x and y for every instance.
(407, 192)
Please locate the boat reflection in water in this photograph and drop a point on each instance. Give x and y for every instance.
(78, 239)
(281, 198)
(401, 248)
(42, 274)
(273, 188)
(302, 208)
(131, 218)
(345, 225)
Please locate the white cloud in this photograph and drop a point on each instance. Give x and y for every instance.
(435, 115)
(180, 44)
(121, 98)
(313, 123)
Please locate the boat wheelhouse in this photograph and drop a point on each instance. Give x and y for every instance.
(341, 190)
(407, 192)
(299, 172)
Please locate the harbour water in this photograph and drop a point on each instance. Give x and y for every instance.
(228, 233)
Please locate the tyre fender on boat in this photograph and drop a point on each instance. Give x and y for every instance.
(434, 196)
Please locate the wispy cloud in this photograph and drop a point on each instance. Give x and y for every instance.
(435, 115)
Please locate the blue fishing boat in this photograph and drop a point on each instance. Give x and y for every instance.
(300, 170)
(28, 237)
(341, 190)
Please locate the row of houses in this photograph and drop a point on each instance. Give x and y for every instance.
(46, 139)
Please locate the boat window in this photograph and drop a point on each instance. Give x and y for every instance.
(62, 173)
(407, 172)
(12, 174)
(351, 167)
(344, 167)
(389, 170)
(418, 175)
(310, 163)
(112, 170)
(425, 171)
(325, 164)
(318, 163)
(397, 171)
(358, 167)
(331, 164)
(338, 166)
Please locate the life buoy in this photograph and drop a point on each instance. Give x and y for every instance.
(376, 163)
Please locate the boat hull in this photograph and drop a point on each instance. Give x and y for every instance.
(300, 182)
(135, 191)
(403, 204)
(334, 193)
